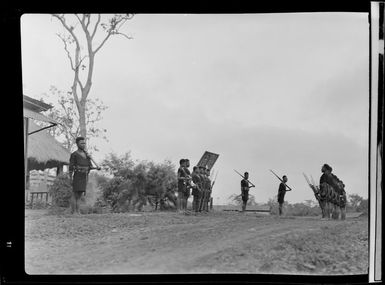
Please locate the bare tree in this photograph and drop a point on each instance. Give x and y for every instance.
(82, 61)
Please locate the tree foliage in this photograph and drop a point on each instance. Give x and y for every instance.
(66, 114)
(135, 180)
(358, 203)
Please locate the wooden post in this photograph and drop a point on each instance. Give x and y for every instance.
(26, 126)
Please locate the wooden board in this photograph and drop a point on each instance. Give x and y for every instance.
(208, 159)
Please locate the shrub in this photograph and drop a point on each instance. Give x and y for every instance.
(38, 204)
(133, 181)
(115, 193)
(297, 209)
(61, 191)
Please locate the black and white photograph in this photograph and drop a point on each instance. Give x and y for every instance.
(196, 143)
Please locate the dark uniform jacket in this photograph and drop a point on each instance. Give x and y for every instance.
(196, 179)
(245, 189)
(281, 192)
(181, 179)
(80, 165)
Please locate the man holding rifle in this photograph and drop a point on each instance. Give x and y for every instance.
(79, 168)
(245, 186)
(281, 193)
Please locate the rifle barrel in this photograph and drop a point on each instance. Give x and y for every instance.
(280, 179)
(244, 178)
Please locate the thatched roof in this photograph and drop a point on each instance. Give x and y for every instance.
(35, 105)
(44, 151)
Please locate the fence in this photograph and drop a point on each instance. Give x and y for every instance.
(38, 186)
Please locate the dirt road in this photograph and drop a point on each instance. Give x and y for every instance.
(218, 242)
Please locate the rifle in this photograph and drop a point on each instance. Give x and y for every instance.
(97, 167)
(215, 179)
(244, 178)
(280, 179)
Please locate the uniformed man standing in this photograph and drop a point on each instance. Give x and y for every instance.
(245, 186)
(79, 168)
(281, 193)
(208, 190)
(188, 183)
(196, 190)
(202, 177)
(181, 175)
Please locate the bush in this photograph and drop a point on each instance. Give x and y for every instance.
(133, 181)
(38, 204)
(297, 209)
(301, 209)
(61, 191)
(115, 194)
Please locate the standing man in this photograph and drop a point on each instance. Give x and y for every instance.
(281, 193)
(325, 190)
(181, 175)
(208, 192)
(202, 177)
(79, 168)
(196, 190)
(188, 183)
(245, 186)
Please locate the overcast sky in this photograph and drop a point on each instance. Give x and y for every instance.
(287, 92)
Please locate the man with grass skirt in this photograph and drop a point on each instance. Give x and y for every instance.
(325, 190)
(332, 194)
(79, 168)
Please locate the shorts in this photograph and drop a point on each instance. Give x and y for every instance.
(245, 196)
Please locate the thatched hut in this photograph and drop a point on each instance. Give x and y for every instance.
(44, 151)
(41, 150)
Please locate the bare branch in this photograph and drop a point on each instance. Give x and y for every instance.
(96, 26)
(100, 46)
(80, 21)
(88, 17)
(66, 49)
(126, 36)
(69, 29)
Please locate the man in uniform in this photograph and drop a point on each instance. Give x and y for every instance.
(245, 190)
(181, 175)
(188, 183)
(196, 190)
(208, 190)
(202, 177)
(281, 193)
(79, 168)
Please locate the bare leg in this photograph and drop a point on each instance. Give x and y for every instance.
(73, 203)
(343, 213)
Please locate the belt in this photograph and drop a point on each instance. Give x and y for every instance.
(83, 169)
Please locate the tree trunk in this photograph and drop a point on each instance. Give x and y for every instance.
(82, 120)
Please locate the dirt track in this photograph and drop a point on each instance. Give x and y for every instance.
(218, 242)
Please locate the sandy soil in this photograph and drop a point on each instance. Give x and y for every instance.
(217, 242)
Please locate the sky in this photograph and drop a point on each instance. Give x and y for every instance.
(287, 92)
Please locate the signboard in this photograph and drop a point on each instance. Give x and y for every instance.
(208, 159)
